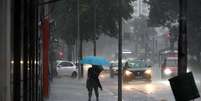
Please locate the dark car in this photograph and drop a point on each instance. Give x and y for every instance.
(114, 68)
(137, 70)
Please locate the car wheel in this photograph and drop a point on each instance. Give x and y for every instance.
(74, 75)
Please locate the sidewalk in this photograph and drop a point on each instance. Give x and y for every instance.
(68, 89)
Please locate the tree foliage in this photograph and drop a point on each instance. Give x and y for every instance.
(64, 14)
(107, 12)
(143, 38)
(165, 13)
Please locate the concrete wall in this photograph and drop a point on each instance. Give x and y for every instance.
(5, 50)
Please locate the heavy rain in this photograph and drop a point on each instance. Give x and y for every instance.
(100, 50)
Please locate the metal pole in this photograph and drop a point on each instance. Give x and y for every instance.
(78, 35)
(26, 54)
(182, 43)
(79, 39)
(94, 41)
(120, 55)
(17, 47)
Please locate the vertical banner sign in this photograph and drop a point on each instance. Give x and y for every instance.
(45, 31)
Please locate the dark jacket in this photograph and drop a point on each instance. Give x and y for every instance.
(92, 78)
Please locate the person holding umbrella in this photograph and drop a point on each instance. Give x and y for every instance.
(93, 82)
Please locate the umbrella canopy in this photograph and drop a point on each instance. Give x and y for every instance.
(94, 60)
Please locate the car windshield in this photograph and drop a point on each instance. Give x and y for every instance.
(171, 63)
(116, 64)
(63, 64)
(137, 64)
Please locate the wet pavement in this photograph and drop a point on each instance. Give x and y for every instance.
(68, 89)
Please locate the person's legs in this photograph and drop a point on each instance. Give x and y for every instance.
(96, 93)
(89, 93)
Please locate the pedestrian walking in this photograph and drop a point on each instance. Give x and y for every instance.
(93, 82)
(125, 79)
(111, 71)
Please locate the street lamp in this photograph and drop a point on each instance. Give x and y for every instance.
(94, 40)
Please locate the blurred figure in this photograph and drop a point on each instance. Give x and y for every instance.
(111, 71)
(125, 80)
(93, 81)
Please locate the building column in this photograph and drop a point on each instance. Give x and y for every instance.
(5, 30)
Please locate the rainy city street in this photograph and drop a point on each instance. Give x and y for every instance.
(157, 90)
(100, 50)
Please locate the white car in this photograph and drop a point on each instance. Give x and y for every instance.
(66, 68)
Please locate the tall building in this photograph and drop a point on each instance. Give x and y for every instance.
(140, 8)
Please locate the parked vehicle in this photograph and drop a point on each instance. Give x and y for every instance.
(66, 68)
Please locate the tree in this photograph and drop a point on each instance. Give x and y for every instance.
(65, 13)
(165, 13)
(107, 17)
(142, 38)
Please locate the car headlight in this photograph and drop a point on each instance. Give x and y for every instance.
(167, 71)
(128, 72)
(148, 71)
(188, 70)
(102, 76)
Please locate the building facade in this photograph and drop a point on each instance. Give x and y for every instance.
(5, 49)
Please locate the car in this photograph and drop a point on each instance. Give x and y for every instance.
(114, 67)
(169, 67)
(66, 68)
(137, 70)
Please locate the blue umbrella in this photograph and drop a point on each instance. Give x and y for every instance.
(95, 60)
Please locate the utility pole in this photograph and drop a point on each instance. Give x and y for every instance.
(120, 54)
(94, 40)
(79, 37)
(182, 43)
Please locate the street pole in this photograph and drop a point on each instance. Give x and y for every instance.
(94, 41)
(120, 55)
(182, 43)
(79, 37)
(17, 47)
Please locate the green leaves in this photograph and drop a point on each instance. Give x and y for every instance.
(163, 12)
(166, 12)
(107, 13)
